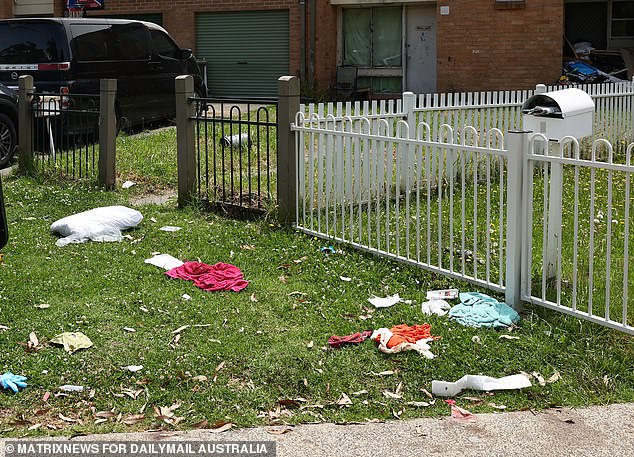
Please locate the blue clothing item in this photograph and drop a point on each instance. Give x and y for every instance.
(480, 310)
(12, 381)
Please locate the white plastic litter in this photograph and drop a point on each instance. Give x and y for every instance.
(381, 302)
(476, 382)
(127, 184)
(444, 294)
(437, 307)
(170, 228)
(164, 261)
(98, 224)
(71, 388)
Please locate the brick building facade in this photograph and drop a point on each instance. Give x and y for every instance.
(477, 44)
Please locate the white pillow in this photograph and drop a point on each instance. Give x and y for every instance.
(98, 224)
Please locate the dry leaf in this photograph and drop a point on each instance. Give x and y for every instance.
(253, 298)
(132, 393)
(3, 328)
(67, 419)
(180, 329)
(493, 405)
(248, 247)
(423, 404)
(134, 419)
(539, 378)
(279, 431)
(426, 392)
(388, 394)
(554, 378)
(202, 424)
(35, 426)
(344, 400)
(359, 392)
(310, 345)
(129, 329)
(43, 306)
(46, 396)
(509, 337)
(283, 279)
(399, 388)
(100, 421)
(221, 428)
(200, 378)
(105, 414)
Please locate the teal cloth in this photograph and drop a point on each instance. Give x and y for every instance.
(480, 310)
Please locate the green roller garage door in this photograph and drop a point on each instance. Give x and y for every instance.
(246, 51)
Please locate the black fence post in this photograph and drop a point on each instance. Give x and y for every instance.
(288, 106)
(25, 120)
(107, 133)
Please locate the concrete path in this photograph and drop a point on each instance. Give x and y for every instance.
(594, 431)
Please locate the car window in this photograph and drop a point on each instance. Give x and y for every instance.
(110, 42)
(164, 44)
(22, 43)
(131, 40)
(91, 42)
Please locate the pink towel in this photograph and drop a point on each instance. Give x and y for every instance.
(221, 276)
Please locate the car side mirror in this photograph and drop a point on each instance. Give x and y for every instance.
(4, 232)
(185, 54)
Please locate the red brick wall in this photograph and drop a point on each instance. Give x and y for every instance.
(6, 9)
(482, 48)
(326, 44)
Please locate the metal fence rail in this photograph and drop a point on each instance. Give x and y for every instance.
(65, 135)
(236, 147)
(374, 187)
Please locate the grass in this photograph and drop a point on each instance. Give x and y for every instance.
(257, 348)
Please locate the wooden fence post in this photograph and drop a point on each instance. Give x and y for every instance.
(185, 139)
(287, 108)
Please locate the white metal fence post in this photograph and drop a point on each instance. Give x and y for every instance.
(409, 100)
(517, 150)
(554, 211)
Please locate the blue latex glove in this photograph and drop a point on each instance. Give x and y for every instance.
(12, 381)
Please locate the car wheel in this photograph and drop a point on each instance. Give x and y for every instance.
(8, 140)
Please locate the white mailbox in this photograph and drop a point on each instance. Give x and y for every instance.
(567, 112)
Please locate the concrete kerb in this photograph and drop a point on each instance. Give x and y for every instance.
(595, 431)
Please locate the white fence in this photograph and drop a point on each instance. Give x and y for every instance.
(465, 205)
(614, 110)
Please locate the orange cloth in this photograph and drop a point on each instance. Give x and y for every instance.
(408, 334)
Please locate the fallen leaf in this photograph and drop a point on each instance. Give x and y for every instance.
(202, 424)
(104, 414)
(388, 394)
(279, 431)
(132, 393)
(509, 337)
(554, 378)
(4, 327)
(360, 392)
(180, 329)
(129, 329)
(220, 426)
(200, 378)
(426, 392)
(283, 279)
(100, 421)
(476, 339)
(345, 278)
(67, 419)
(310, 345)
(46, 396)
(569, 421)
(288, 402)
(43, 306)
(539, 378)
(253, 298)
(493, 405)
(134, 419)
(248, 247)
(344, 400)
(423, 404)
(35, 426)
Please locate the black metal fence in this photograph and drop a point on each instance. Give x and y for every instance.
(236, 153)
(65, 135)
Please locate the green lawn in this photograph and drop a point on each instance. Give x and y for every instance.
(257, 348)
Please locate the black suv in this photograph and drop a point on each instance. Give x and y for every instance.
(71, 55)
(8, 124)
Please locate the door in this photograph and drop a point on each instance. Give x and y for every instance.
(420, 49)
(246, 51)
